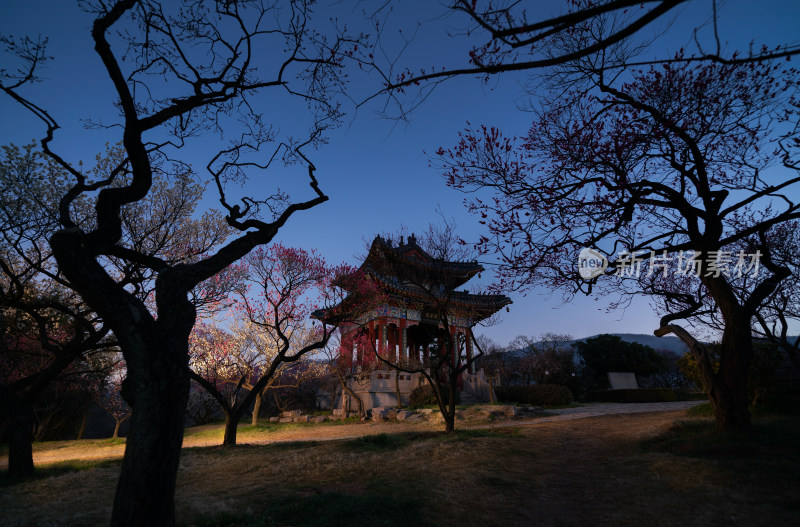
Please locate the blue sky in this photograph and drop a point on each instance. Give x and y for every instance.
(375, 170)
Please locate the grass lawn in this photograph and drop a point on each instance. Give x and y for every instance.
(642, 469)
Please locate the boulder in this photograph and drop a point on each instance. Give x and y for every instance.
(402, 415)
(320, 419)
(274, 419)
(505, 410)
(302, 419)
(509, 410)
(415, 418)
(285, 420)
(338, 412)
(426, 411)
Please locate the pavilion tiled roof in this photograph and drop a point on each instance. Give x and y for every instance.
(410, 258)
(400, 270)
(392, 266)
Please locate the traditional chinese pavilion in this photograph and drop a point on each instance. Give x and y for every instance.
(421, 303)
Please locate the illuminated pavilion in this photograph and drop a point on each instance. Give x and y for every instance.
(421, 304)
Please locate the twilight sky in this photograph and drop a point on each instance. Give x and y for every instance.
(375, 170)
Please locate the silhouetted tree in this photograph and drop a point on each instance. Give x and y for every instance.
(665, 171)
(189, 69)
(511, 36)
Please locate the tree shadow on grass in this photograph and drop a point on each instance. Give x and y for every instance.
(768, 452)
(60, 468)
(329, 509)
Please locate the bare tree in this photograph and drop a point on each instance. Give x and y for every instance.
(780, 312)
(188, 70)
(42, 303)
(341, 369)
(665, 172)
(546, 360)
(45, 326)
(508, 36)
(286, 284)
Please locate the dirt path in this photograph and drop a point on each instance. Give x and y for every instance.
(57, 451)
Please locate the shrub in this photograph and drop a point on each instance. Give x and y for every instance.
(761, 378)
(536, 394)
(641, 395)
(423, 395)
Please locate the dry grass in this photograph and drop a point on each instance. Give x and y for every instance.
(48, 452)
(615, 470)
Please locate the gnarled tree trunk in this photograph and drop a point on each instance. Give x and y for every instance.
(397, 388)
(157, 393)
(727, 390)
(82, 428)
(726, 387)
(351, 393)
(256, 408)
(231, 425)
(20, 418)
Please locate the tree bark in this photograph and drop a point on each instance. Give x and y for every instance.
(231, 424)
(450, 417)
(727, 387)
(20, 441)
(158, 396)
(397, 388)
(449, 424)
(116, 429)
(728, 390)
(352, 394)
(256, 408)
(82, 428)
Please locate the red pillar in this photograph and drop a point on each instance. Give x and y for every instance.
(382, 337)
(392, 355)
(413, 350)
(402, 337)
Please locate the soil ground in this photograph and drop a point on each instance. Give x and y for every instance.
(620, 469)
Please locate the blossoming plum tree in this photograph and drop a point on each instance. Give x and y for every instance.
(282, 288)
(671, 162)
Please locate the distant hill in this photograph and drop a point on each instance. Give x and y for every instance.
(670, 342)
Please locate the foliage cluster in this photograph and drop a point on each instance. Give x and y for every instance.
(761, 379)
(609, 353)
